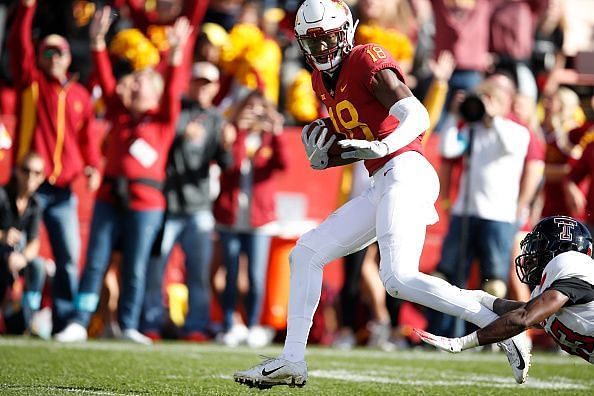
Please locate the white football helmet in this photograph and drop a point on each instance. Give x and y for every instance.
(325, 32)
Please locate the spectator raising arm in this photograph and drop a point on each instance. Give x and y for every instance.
(97, 31)
(22, 51)
(178, 36)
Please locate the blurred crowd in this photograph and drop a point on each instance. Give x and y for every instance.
(195, 97)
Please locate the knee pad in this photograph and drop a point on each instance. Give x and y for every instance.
(393, 285)
(495, 287)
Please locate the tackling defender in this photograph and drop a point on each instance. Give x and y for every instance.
(364, 91)
(556, 260)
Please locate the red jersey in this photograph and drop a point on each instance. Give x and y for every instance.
(137, 149)
(553, 204)
(269, 158)
(352, 106)
(55, 120)
(584, 169)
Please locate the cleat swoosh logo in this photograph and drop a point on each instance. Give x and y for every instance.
(267, 373)
(521, 365)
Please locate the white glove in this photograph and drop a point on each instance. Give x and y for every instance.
(315, 148)
(363, 149)
(447, 344)
(453, 345)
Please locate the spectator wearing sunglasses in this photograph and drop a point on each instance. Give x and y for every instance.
(54, 119)
(20, 215)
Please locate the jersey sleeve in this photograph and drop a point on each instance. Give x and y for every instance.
(578, 290)
(572, 274)
(372, 58)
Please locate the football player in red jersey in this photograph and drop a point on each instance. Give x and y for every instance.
(368, 101)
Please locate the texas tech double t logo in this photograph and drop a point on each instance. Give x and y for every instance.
(567, 226)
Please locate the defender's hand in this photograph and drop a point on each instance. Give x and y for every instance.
(452, 345)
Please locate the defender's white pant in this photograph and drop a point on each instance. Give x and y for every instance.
(396, 210)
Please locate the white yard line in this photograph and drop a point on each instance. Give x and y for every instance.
(480, 381)
(61, 389)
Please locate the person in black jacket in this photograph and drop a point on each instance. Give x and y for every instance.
(20, 216)
(202, 138)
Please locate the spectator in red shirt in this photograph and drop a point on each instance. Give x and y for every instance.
(562, 146)
(578, 203)
(55, 119)
(576, 200)
(129, 207)
(244, 206)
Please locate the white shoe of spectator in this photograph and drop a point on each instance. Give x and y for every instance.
(394, 344)
(235, 336)
(74, 332)
(344, 341)
(135, 336)
(41, 323)
(379, 333)
(260, 336)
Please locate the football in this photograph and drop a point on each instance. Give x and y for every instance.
(335, 149)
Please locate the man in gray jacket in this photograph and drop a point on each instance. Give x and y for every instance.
(202, 138)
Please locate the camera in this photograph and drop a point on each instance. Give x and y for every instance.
(472, 108)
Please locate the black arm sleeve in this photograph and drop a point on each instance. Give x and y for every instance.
(578, 290)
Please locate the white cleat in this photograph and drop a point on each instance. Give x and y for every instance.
(135, 336)
(74, 332)
(518, 354)
(273, 371)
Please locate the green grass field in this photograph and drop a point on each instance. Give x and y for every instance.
(36, 367)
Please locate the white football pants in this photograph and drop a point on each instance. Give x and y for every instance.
(396, 210)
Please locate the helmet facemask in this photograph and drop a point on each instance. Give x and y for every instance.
(324, 50)
(533, 259)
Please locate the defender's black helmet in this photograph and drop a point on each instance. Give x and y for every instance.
(549, 238)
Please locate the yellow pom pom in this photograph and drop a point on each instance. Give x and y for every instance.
(397, 44)
(302, 102)
(132, 46)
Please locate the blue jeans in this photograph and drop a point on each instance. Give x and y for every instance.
(194, 234)
(60, 217)
(490, 242)
(34, 276)
(256, 247)
(136, 230)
